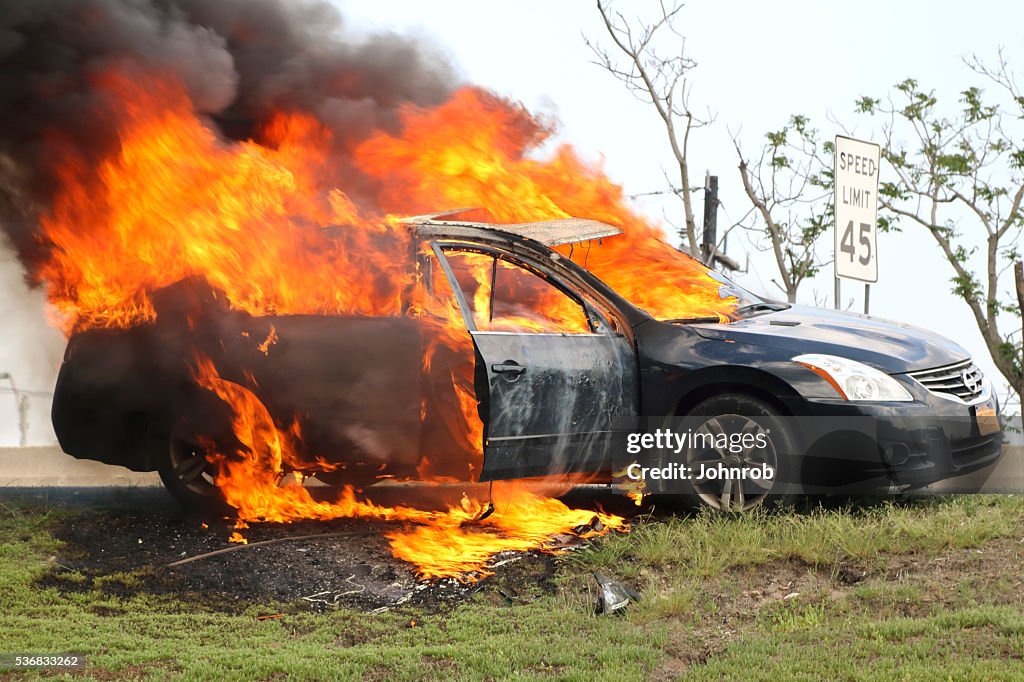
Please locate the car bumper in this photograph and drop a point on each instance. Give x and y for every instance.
(909, 445)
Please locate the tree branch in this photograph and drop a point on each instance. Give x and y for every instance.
(659, 80)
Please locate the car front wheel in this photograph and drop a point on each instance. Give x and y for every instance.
(741, 455)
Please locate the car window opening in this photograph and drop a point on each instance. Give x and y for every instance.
(506, 295)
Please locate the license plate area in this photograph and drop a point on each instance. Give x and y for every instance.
(987, 418)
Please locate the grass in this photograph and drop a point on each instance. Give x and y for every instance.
(916, 590)
(711, 543)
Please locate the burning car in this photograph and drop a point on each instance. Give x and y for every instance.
(509, 359)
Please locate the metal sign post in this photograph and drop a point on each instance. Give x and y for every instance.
(856, 172)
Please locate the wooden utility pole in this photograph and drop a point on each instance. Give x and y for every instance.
(710, 236)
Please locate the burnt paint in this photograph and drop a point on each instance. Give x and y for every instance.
(564, 408)
(355, 385)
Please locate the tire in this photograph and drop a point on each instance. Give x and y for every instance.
(195, 428)
(186, 471)
(736, 413)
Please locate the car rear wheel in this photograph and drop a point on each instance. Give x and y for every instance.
(746, 451)
(187, 472)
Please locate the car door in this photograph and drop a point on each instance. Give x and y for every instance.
(557, 383)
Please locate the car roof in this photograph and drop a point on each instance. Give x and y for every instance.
(547, 232)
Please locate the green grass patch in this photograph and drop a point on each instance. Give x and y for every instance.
(711, 543)
(705, 612)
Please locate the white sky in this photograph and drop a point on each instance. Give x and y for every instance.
(759, 62)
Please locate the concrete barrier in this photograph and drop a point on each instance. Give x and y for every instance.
(48, 466)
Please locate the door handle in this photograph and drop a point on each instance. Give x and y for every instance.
(508, 367)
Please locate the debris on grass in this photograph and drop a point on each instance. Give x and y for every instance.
(613, 595)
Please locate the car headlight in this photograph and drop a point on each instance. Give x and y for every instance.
(854, 380)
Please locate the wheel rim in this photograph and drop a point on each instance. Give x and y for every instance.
(191, 468)
(727, 493)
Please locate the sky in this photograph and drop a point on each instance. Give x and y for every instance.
(758, 63)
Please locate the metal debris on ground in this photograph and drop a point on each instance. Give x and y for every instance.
(322, 598)
(613, 595)
(594, 526)
(560, 541)
(398, 602)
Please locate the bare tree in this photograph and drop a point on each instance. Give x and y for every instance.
(657, 77)
(790, 191)
(961, 179)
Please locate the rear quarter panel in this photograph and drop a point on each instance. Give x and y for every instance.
(352, 383)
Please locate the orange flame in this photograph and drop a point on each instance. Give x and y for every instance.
(477, 150)
(176, 200)
(448, 543)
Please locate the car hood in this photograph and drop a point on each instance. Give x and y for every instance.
(892, 347)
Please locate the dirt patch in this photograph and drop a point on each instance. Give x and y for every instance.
(788, 592)
(956, 578)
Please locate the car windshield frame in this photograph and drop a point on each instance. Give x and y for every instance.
(430, 229)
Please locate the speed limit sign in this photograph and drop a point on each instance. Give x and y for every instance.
(856, 207)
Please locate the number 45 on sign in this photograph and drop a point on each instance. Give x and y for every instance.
(863, 249)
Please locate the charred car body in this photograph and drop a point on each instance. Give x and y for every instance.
(840, 399)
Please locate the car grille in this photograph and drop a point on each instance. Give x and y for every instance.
(963, 381)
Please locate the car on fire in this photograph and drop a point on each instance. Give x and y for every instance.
(833, 399)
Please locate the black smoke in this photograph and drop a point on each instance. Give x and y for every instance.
(239, 60)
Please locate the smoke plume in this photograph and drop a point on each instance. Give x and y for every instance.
(239, 60)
